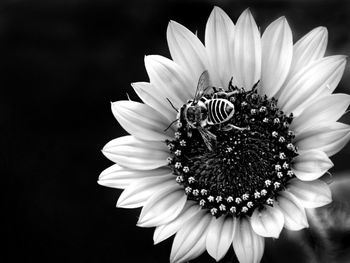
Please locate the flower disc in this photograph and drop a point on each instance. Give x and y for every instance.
(247, 167)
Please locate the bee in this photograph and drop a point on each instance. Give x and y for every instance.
(200, 112)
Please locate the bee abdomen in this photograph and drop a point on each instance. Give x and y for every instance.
(219, 110)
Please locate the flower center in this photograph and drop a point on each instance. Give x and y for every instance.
(249, 163)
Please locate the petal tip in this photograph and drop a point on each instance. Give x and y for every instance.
(113, 104)
(217, 10)
(141, 222)
(342, 58)
(246, 14)
(323, 29)
(328, 200)
(156, 240)
(99, 181)
(105, 149)
(174, 25)
(268, 222)
(101, 176)
(145, 58)
(119, 203)
(283, 21)
(330, 164)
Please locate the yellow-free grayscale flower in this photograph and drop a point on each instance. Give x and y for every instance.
(241, 159)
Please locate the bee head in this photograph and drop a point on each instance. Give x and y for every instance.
(196, 114)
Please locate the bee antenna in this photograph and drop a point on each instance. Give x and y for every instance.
(172, 105)
(127, 95)
(171, 124)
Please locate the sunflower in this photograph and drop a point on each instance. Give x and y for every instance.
(242, 158)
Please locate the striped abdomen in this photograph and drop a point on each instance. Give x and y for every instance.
(219, 110)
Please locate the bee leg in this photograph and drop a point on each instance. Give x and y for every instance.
(221, 89)
(221, 94)
(215, 89)
(224, 95)
(232, 93)
(229, 127)
(226, 128)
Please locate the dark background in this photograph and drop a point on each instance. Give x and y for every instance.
(61, 63)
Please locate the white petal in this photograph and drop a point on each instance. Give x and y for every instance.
(311, 194)
(328, 137)
(277, 53)
(309, 48)
(133, 153)
(187, 51)
(311, 165)
(170, 81)
(149, 95)
(248, 246)
(334, 80)
(189, 241)
(326, 109)
(218, 42)
(310, 82)
(163, 207)
(294, 213)
(268, 222)
(165, 231)
(120, 177)
(141, 120)
(246, 51)
(220, 235)
(137, 193)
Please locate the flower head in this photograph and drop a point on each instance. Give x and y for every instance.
(232, 138)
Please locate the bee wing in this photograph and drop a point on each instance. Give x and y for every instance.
(209, 138)
(203, 84)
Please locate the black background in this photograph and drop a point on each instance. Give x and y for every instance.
(61, 63)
